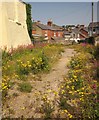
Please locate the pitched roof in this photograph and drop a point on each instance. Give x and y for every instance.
(57, 27)
(75, 30)
(95, 24)
(85, 36)
(34, 26)
(66, 33)
(84, 28)
(46, 27)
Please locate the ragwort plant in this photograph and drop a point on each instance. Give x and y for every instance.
(47, 107)
(78, 92)
(18, 63)
(40, 64)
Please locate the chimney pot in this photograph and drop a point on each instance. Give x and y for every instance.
(49, 23)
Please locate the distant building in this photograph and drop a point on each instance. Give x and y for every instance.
(83, 33)
(79, 33)
(95, 26)
(70, 27)
(67, 35)
(48, 32)
(75, 34)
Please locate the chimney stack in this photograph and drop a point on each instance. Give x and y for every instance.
(49, 23)
(38, 22)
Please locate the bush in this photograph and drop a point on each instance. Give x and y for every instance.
(90, 40)
(40, 64)
(47, 108)
(25, 87)
(96, 53)
(23, 69)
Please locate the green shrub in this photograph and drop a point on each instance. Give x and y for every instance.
(97, 71)
(47, 108)
(40, 64)
(25, 87)
(22, 68)
(90, 40)
(96, 52)
(45, 62)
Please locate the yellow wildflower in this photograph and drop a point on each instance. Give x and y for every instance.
(70, 116)
(65, 111)
(67, 86)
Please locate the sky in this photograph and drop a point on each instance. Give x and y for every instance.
(63, 13)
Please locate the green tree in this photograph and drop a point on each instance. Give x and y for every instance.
(29, 21)
(63, 26)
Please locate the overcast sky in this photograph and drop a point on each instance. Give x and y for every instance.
(63, 13)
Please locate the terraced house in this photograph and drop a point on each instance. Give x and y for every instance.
(48, 32)
(80, 33)
(95, 26)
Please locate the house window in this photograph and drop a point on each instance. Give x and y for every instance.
(58, 34)
(45, 33)
(94, 30)
(78, 35)
(54, 34)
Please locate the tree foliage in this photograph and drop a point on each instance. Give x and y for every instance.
(29, 20)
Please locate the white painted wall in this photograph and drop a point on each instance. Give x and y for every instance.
(13, 28)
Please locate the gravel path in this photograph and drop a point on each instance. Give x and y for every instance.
(52, 80)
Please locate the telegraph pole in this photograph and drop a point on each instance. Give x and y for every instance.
(92, 18)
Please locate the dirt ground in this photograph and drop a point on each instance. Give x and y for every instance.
(28, 104)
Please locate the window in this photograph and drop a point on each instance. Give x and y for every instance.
(94, 30)
(54, 34)
(59, 34)
(45, 33)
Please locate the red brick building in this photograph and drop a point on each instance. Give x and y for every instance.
(83, 33)
(48, 32)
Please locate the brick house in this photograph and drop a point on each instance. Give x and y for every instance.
(83, 33)
(48, 32)
(79, 33)
(33, 31)
(95, 26)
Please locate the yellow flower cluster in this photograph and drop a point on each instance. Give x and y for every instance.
(67, 113)
(79, 84)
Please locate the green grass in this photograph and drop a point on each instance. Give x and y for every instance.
(25, 87)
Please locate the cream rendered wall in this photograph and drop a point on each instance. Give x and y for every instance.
(13, 26)
(3, 24)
